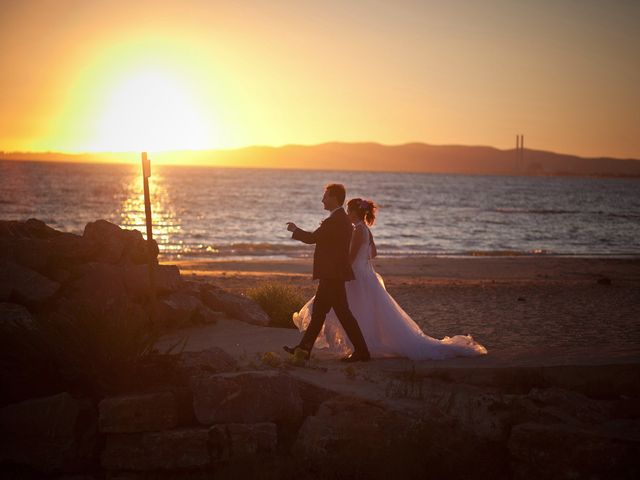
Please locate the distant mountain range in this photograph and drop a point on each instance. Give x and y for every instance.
(412, 157)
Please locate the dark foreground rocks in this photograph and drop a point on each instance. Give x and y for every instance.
(216, 420)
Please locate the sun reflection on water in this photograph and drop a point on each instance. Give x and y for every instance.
(166, 224)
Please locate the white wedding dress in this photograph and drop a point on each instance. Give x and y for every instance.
(386, 327)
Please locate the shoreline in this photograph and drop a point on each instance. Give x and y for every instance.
(533, 267)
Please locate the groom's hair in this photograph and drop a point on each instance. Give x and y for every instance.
(337, 191)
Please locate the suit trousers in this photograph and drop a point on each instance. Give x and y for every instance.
(332, 294)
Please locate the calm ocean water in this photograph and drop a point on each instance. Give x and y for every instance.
(221, 212)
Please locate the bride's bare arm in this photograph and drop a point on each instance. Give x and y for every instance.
(357, 239)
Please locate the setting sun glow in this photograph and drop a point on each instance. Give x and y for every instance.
(150, 110)
(160, 75)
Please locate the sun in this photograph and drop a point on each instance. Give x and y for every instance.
(150, 110)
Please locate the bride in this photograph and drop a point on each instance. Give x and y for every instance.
(387, 329)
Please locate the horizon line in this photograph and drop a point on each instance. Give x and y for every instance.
(288, 145)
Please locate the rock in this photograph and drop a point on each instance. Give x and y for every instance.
(136, 279)
(180, 309)
(32, 228)
(206, 362)
(348, 426)
(117, 245)
(32, 253)
(238, 440)
(486, 414)
(569, 451)
(166, 450)
(236, 306)
(36, 246)
(98, 284)
(138, 413)
(14, 317)
(568, 406)
(27, 286)
(50, 434)
(251, 397)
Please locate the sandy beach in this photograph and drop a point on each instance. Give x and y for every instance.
(527, 311)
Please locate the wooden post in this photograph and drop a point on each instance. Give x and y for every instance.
(151, 252)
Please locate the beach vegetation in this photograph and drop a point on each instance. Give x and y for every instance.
(280, 301)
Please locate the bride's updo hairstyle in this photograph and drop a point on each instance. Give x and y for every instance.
(365, 210)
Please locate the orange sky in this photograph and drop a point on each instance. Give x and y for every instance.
(89, 75)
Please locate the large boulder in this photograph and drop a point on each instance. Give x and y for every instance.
(167, 450)
(204, 363)
(236, 306)
(39, 247)
(28, 287)
(138, 413)
(97, 284)
(117, 245)
(32, 228)
(50, 434)
(250, 397)
(179, 309)
(352, 433)
(136, 279)
(240, 440)
(484, 413)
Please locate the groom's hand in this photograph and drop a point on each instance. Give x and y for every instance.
(291, 226)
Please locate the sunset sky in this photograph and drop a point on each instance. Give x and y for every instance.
(112, 75)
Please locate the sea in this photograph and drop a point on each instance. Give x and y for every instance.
(236, 213)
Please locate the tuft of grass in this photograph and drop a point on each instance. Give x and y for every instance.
(280, 301)
(271, 359)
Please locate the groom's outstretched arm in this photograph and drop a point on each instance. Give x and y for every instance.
(310, 237)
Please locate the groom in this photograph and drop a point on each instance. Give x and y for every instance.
(331, 266)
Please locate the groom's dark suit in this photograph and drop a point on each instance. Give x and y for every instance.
(332, 267)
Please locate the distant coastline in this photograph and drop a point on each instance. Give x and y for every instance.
(374, 157)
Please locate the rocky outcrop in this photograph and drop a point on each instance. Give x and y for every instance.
(41, 268)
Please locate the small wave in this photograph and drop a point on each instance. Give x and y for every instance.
(246, 249)
(537, 211)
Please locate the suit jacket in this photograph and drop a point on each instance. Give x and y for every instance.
(332, 239)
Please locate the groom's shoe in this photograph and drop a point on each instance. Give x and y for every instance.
(292, 350)
(357, 357)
